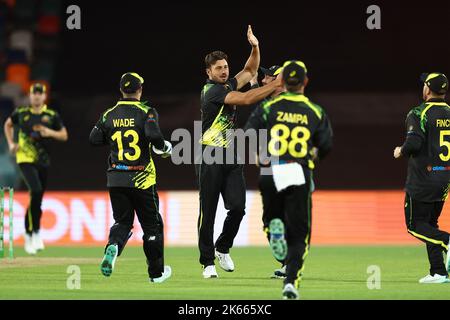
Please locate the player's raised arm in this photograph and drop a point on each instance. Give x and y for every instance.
(252, 64)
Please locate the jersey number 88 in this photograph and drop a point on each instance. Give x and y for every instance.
(287, 141)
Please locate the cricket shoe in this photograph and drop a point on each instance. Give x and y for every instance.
(290, 292)
(210, 272)
(109, 260)
(437, 278)
(167, 273)
(278, 243)
(36, 239)
(447, 259)
(225, 261)
(279, 273)
(29, 248)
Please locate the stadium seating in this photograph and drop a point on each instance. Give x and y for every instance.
(10, 3)
(19, 73)
(6, 107)
(28, 48)
(43, 70)
(51, 7)
(16, 56)
(24, 9)
(22, 40)
(49, 25)
(11, 90)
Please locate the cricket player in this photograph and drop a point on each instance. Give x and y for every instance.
(36, 124)
(219, 101)
(427, 147)
(295, 126)
(130, 128)
(270, 74)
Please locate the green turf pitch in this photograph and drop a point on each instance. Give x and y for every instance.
(331, 273)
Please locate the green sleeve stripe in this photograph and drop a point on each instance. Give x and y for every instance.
(50, 112)
(108, 111)
(22, 109)
(206, 88)
(423, 114)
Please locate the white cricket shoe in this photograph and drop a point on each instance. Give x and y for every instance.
(167, 273)
(279, 273)
(225, 261)
(29, 247)
(290, 292)
(36, 239)
(437, 278)
(210, 272)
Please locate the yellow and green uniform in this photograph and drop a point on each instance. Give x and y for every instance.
(217, 117)
(32, 147)
(427, 147)
(295, 125)
(226, 179)
(428, 127)
(129, 128)
(33, 156)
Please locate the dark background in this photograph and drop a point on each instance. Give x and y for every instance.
(366, 80)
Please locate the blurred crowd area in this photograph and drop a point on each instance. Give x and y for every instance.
(30, 33)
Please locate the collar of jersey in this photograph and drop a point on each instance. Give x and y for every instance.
(434, 100)
(209, 81)
(128, 101)
(287, 93)
(44, 108)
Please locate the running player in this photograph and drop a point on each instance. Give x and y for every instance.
(427, 147)
(129, 128)
(295, 125)
(270, 74)
(36, 125)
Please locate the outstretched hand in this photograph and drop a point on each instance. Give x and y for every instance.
(251, 37)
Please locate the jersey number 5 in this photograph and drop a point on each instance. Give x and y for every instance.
(444, 143)
(280, 133)
(133, 145)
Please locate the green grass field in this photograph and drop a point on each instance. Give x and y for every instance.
(331, 273)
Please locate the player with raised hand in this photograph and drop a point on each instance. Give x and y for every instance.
(219, 101)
